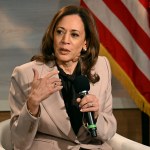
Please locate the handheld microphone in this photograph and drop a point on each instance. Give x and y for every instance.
(82, 86)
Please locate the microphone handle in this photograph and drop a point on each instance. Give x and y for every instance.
(89, 118)
(90, 123)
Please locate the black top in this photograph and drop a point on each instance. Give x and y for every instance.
(70, 96)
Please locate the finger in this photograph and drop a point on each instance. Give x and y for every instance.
(87, 105)
(53, 80)
(88, 109)
(55, 84)
(55, 89)
(58, 88)
(36, 74)
(85, 100)
(90, 104)
(78, 100)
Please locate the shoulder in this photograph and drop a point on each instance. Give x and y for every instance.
(25, 67)
(24, 70)
(28, 66)
(102, 67)
(102, 63)
(102, 60)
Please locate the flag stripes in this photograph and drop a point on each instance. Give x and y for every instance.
(122, 57)
(127, 41)
(132, 26)
(139, 16)
(145, 3)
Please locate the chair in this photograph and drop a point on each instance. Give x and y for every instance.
(5, 140)
(117, 142)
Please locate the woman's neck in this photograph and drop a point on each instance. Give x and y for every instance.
(68, 67)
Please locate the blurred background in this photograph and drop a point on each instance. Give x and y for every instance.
(22, 25)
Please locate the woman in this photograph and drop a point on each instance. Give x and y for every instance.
(46, 110)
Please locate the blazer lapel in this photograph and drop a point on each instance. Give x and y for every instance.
(55, 107)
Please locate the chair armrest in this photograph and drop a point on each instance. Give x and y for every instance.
(1, 148)
(5, 135)
(119, 142)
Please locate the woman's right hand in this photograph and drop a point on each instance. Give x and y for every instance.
(41, 89)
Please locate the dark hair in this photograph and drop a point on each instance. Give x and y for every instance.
(89, 57)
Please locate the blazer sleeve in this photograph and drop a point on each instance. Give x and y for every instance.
(106, 122)
(23, 124)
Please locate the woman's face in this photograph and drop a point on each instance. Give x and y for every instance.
(69, 38)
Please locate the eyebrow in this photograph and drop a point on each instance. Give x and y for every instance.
(74, 30)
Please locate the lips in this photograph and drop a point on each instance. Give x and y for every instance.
(64, 51)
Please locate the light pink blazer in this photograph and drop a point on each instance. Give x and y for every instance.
(52, 129)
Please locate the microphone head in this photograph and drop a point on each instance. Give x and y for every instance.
(81, 83)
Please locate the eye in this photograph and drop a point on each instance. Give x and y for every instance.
(74, 35)
(59, 31)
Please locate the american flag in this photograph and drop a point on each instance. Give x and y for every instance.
(124, 31)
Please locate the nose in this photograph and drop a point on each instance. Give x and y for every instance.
(65, 39)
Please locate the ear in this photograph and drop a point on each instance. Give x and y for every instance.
(85, 46)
